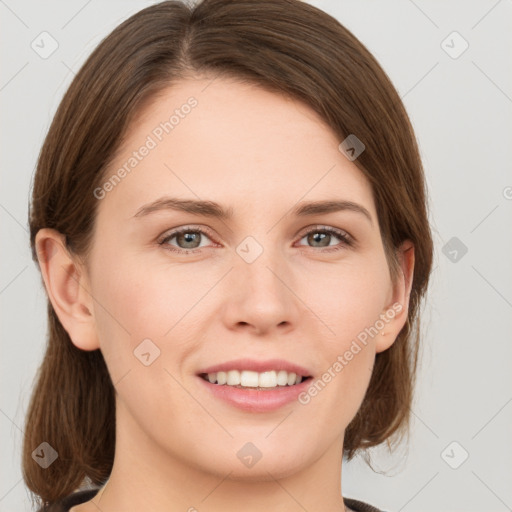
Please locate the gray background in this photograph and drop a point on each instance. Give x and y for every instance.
(460, 107)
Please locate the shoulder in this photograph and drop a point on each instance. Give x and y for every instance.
(360, 506)
(64, 504)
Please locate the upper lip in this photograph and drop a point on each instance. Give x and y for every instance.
(258, 366)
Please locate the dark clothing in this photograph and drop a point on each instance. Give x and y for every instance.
(78, 497)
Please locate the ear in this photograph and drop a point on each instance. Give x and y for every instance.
(65, 280)
(394, 316)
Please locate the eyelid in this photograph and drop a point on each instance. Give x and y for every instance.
(345, 237)
(170, 233)
(330, 229)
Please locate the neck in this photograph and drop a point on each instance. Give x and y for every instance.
(146, 477)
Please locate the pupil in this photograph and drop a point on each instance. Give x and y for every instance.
(189, 238)
(321, 237)
(316, 237)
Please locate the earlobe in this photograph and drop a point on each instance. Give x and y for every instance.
(397, 310)
(65, 282)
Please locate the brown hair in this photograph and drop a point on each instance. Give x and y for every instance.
(288, 47)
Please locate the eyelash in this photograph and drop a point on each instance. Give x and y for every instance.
(345, 238)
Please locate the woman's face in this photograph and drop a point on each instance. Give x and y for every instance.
(261, 283)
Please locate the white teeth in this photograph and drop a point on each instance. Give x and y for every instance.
(233, 378)
(282, 378)
(251, 379)
(268, 379)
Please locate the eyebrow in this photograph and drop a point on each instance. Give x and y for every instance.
(215, 210)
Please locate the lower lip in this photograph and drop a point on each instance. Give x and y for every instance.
(255, 400)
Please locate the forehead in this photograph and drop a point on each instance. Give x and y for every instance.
(222, 140)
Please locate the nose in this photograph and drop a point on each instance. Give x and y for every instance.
(261, 296)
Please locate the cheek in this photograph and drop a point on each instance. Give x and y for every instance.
(348, 299)
(144, 299)
(128, 312)
(138, 302)
(349, 302)
(165, 303)
(137, 311)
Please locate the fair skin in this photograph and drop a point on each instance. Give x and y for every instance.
(260, 155)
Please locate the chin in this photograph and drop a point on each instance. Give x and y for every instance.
(260, 461)
(262, 471)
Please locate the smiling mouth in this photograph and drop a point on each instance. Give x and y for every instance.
(251, 380)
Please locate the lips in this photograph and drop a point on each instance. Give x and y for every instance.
(255, 400)
(258, 366)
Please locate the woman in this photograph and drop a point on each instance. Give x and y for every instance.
(229, 215)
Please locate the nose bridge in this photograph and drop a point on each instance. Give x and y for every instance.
(260, 263)
(264, 298)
